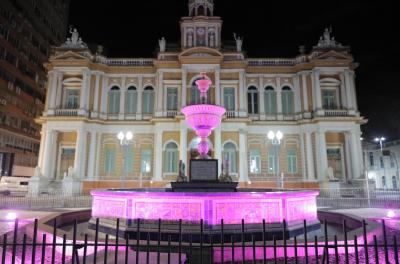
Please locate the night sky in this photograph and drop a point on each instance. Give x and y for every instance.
(270, 29)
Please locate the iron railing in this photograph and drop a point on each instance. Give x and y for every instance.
(34, 244)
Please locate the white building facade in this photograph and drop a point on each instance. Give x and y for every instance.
(382, 165)
(310, 98)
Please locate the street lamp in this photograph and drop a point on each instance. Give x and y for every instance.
(124, 142)
(366, 176)
(380, 140)
(275, 138)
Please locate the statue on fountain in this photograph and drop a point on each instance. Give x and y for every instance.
(224, 176)
(181, 174)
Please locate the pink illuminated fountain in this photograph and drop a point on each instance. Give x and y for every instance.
(203, 118)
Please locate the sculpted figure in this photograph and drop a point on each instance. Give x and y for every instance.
(181, 172)
(239, 42)
(162, 43)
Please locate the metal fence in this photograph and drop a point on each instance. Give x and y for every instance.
(46, 201)
(51, 247)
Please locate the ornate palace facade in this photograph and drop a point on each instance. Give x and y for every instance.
(310, 98)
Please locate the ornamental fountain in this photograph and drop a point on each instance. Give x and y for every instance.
(196, 208)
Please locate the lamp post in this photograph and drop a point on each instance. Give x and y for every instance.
(124, 141)
(275, 138)
(380, 140)
(366, 176)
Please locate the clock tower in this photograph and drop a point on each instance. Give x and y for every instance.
(201, 28)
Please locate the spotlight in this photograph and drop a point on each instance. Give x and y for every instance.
(390, 214)
(11, 216)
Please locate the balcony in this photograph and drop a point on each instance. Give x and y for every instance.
(231, 114)
(335, 113)
(66, 112)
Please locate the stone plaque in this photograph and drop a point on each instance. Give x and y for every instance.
(203, 170)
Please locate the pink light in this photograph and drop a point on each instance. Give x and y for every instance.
(11, 216)
(274, 207)
(390, 214)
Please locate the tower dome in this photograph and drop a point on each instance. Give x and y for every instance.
(201, 7)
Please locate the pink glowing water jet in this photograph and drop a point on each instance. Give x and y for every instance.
(203, 118)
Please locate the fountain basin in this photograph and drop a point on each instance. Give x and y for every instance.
(274, 207)
(203, 117)
(253, 207)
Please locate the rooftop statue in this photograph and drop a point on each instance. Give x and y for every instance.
(74, 42)
(162, 43)
(327, 41)
(239, 42)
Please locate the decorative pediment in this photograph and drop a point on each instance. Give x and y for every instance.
(69, 56)
(333, 55)
(200, 52)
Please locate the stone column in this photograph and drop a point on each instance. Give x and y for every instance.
(97, 153)
(159, 95)
(158, 161)
(183, 144)
(310, 157)
(349, 165)
(59, 90)
(121, 115)
(52, 91)
(343, 94)
(297, 98)
(218, 148)
(104, 97)
(217, 86)
(243, 163)
(317, 91)
(80, 154)
(139, 99)
(242, 94)
(92, 155)
(349, 96)
(49, 155)
(41, 146)
(355, 153)
(95, 111)
(49, 88)
(322, 159)
(85, 92)
(303, 156)
(184, 87)
(261, 96)
(279, 98)
(305, 92)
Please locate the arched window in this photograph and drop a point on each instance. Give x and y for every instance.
(252, 100)
(383, 182)
(130, 100)
(171, 158)
(113, 100)
(287, 101)
(229, 154)
(394, 182)
(270, 100)
(195, 94)
(201, 11)
(148, 100)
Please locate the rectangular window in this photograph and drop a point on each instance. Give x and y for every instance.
(371, 159)
(291, 161)
(145, 161)
(172, 99)
(110, 161)
(271, 161)
(229, 99)
(329, 99)
(128, 163)
(72, 99)
(381, 161)
(255, 161)
(270, 102)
